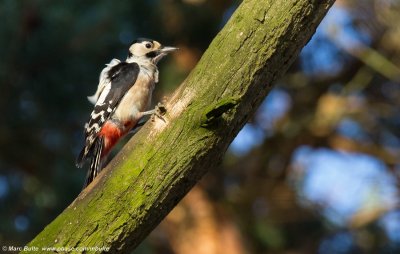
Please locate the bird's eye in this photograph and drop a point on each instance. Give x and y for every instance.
(148, 45)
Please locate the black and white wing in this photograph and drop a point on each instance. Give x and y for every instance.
(118, 80)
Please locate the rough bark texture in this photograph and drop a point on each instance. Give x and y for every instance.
(164, 160)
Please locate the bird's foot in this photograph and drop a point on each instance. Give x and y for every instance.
(159, 111)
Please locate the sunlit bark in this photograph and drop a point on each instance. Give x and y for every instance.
(162, 162)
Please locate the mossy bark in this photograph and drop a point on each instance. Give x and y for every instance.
(165, 159)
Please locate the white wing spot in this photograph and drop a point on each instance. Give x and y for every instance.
(94, 126)
(94, 115)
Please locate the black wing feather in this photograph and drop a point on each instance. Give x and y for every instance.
(122, 77)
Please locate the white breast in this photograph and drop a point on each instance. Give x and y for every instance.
(137, 99)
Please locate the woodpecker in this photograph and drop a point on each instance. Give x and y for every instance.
(122, 98)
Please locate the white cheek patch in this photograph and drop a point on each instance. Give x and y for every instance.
(138, 49)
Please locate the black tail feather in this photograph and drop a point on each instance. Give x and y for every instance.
(95, 163)
(81, 159)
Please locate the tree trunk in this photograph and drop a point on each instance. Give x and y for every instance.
(165, 159)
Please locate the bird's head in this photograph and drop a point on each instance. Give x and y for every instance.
(147, 49)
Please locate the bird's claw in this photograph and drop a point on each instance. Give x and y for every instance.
(160, 111)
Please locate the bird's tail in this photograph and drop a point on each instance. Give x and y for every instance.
(81, 158)
(95, 162)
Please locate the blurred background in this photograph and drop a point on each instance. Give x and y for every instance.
(316, 170)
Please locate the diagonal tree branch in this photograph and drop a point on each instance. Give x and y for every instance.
(164, 160)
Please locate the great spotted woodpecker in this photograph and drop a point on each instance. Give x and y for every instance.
(122, 98)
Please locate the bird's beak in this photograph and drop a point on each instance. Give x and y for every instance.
(167, 49)
(163, 51)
